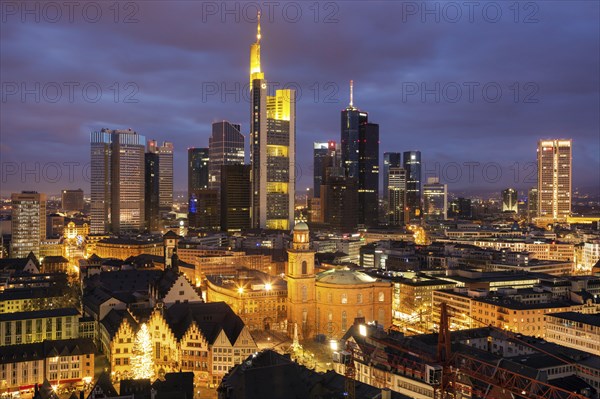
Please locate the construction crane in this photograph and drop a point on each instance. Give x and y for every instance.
(350, 382)
(411, 361)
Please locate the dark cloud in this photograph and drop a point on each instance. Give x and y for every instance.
(168, 58)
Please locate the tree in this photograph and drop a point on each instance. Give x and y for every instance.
(142, 363)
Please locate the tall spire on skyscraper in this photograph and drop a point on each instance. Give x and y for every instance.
(351, 94)
(255, 72)
(258, 28)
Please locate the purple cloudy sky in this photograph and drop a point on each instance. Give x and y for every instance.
(461, 84)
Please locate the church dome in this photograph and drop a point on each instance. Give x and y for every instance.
(344, 277)
(301, 226)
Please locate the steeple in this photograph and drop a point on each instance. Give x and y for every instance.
(255, 72)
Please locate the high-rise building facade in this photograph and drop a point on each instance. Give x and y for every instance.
(273, 149)
(152, 191)
(509, 200)
(198, 162)
(554, 180)
(368, 174)
(320, 153)
(412, 165)
(532, 204)
(435, 200)
(352, 119)
(197, 169)
(225, 147)
(396, 190)
(28, 223)
(165, 174)
(72, 200)
(235, 197)
(117, 181)
(339, 200)
(390, 160)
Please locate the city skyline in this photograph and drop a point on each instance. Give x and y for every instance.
(566, 91)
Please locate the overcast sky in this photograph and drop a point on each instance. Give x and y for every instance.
(471, 85)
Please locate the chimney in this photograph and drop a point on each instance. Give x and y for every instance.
(386, 393)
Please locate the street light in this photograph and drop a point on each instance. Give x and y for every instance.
(333, 344)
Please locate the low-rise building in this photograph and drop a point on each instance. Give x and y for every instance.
(37, 326)
(62, 362)
(207, 339)
(122, 247)
(574, 330)
(258, 298)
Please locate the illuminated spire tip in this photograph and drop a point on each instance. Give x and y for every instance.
(351, 93)
(258, 28)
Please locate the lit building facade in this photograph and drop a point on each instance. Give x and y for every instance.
(59, 362)
(259, 299)
(117, 181)
(390, 160)
(435, 200)
(532, 204)
(327, 303)
(574, 330)
(509, 200)
(396, 194)
(272, 149)
(320, 153)
(28, 223)
(554, 180)
(37, 326)
(412, 165)
(165, 173)
(123, 248)
(207, 339)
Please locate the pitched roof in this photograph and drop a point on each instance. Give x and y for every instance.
(114, 319)
(39, 314)
(211, 319)
(104, 386)
(42, 350)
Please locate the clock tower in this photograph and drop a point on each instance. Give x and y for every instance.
(300, 276)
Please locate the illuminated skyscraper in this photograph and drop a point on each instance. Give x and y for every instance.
(435, 200)
(117, 181)
(368, 174)
(197, 180)
(351, 121)
(412, 165)
(390, 160)
(532, 204)
(320, 151)
(165, 174)
(272, 147)
(554, 180)
(396, 190)
(509, 200)
(28, 223)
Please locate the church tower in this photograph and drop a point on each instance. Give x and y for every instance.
(300, 276)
